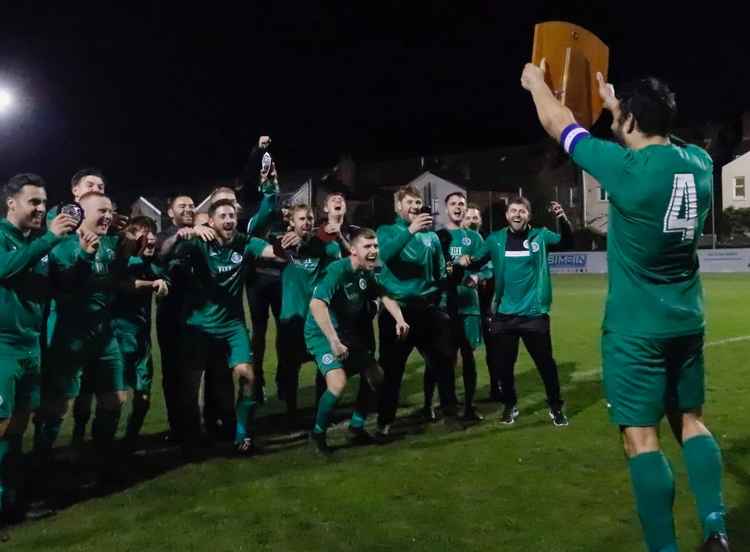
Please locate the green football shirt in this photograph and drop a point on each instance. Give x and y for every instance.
(299, 277)
(659, 198)
(24, 288)
(85, 283)
(347, 293)
(220, 272)
(413, 264)
(466, 242)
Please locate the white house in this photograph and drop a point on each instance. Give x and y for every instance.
(735, 183)
(595, 205)
(144, 207)
(434, 191)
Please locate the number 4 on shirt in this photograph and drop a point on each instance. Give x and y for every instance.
(682, 213)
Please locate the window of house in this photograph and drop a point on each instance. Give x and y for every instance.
(603, 195)
(740, 191)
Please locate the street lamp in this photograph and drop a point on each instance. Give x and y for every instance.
(6, 100)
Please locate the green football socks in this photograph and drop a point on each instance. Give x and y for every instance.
(653, 487)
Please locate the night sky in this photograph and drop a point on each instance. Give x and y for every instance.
(180, 94)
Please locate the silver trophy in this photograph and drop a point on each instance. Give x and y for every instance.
(74, 211)
(265, 163)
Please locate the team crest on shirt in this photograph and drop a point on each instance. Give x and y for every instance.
(236, 258)
(427, 241)
(309, 263)
(44, 259)
(466, 241)
(362, 284)
(534, 247)
(327, 358)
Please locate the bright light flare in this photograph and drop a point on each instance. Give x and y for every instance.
(6, 100)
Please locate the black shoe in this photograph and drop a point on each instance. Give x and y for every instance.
(4, 535)
(450, 410)
(172, 438)
(471, 415)
(320, 443)
(558, 417)
(429, 413)
(359, 436)
(129, 445)
(39, 510)
(715, 543)
(246, 447)
(383, 434)
(510, 413)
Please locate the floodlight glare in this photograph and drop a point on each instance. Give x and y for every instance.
(6, 100)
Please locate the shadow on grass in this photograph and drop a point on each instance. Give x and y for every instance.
(736, 454)
(73, 483)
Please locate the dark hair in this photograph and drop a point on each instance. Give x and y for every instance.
(222, 189)
(407, 190)
(142, 222)
(221, 203)
(473, 206)
(651, 103)
(172, 199)
(450, 195)
(16, 183)
(334, 193)
(518, 200)
(364, 234)
(86, 172)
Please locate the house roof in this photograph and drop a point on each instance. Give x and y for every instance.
(149, 204)
(739, 159)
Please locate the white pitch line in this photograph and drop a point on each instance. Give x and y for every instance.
(588, 374)
(727, 340)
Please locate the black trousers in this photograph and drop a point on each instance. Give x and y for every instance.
(203, 355)
(168, 332)
(430, 333)
(490, 344)
(263, 295)
(507, 332)
(468, 368)
(292, 355)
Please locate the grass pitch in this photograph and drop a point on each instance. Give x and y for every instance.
(529, 486)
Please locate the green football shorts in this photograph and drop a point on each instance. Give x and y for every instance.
(136, 355)
(359, 361)
(19, 384)
(646, 377)
(232, 339)
(85, 363)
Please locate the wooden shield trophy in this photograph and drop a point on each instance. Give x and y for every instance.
(573, 56)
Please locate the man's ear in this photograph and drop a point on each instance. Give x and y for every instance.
(10, 203)
(630, 121)
(170, 212)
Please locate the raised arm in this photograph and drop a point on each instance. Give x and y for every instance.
(553, 116)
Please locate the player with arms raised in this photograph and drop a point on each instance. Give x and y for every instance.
(652, 341)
